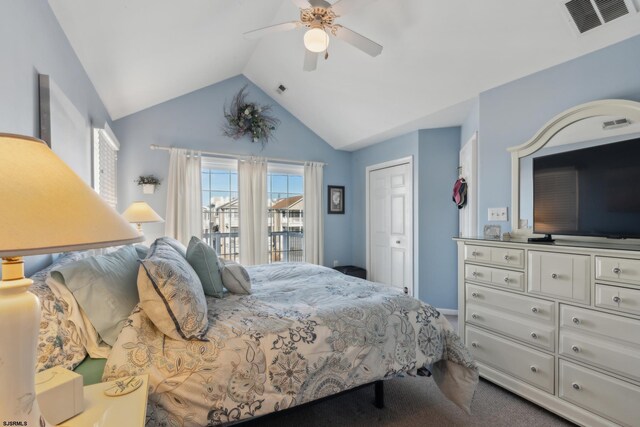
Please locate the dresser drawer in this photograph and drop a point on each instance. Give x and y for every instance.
(616, 298)
(606, 396)
(529, 365)
(498, 256)
(604, 325)
(533, 308)
(560, 275)
(618, 269)
(607, 354)
(495, 276)
(535, 333)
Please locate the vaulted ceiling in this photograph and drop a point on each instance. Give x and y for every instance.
(438, 55)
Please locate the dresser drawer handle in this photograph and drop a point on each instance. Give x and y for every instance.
(534, 369)
(535, 309)
(575, 320)
(475, 295)
(474, 253)
(554, 275)
(575, 349)
(576, 386)
(617, 270)
(475, 344)
(474, 274)
(617, 299)
(506, 279)
(534, 335)
(475, 316)
(507, 257)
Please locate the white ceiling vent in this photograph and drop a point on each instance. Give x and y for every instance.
(585, 15)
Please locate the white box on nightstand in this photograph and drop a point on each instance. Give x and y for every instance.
(59, 393)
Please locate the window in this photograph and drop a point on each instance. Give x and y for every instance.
(220, 212)
(105, 164)
(286, 209)
(220, 209)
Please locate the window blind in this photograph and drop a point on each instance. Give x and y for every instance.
(105, 164)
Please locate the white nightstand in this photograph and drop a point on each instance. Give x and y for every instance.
(129, 410)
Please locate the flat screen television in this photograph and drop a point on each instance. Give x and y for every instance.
(593, 191)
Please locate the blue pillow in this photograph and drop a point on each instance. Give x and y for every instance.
(204, 260)
(105, 287)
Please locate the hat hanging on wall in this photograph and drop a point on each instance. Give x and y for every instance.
(460, 193)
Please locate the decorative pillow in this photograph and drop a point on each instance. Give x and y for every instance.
(171, 293)
(235, 278)
(105, 288)
(79, 320)
(58, 342)
(204, 260)
(179, 247)
(142, 251)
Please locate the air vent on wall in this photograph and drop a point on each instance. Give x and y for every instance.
(589, 14)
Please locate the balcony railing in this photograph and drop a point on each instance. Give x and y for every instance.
(284, 246)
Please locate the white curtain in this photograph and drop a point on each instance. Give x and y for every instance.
(313, 218)
(252, 182)
(184, 204)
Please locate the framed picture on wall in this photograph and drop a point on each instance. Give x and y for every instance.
(336, 199)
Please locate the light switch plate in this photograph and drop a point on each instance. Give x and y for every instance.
(498, 214)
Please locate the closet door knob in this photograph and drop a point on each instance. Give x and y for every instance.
(534, 335)
(554, 276)
(534, 369)
(616, 270)
(575, 320)
(616, 299)
(576, 386)
(575, 349)
(534, 309)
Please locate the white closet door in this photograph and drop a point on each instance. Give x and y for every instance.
(390, 231)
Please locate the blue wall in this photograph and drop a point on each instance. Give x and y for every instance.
(32, 43)
(510, 114)
(438, 216)
(193, 121)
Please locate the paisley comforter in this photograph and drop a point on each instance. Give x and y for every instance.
(306, 332)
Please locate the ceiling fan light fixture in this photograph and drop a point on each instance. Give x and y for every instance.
(316, 40)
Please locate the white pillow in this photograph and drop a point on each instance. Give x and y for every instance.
(96, 348)
(235, 277)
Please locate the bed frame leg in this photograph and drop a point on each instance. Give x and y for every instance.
(379, 391)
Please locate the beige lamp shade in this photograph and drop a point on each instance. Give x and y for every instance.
(45, 207)
(141, 212)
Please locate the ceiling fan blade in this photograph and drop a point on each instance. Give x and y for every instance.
(286, 26)
(302, 4)
(361, 42)
(310, 60)
(320, 3)
(342, 7)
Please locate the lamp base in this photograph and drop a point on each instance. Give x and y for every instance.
(19, 328)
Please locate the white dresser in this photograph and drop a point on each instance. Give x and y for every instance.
(557, 324)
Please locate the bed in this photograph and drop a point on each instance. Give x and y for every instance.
(304, 333)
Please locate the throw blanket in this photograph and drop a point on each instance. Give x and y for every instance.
(306, 332)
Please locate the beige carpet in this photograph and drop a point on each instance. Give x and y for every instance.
(416, 402)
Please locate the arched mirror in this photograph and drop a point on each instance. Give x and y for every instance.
(587, 125)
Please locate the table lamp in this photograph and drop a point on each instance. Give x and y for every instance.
(139, 213)
(44, 208)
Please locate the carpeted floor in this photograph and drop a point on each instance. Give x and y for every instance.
(416, 402)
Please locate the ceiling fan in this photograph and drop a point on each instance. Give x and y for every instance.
(319, 16)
